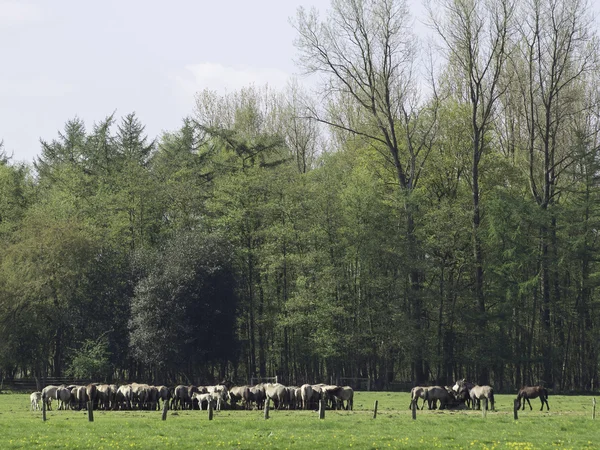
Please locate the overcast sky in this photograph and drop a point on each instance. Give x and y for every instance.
(88, 58)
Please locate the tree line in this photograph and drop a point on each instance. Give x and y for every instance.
(430, 214)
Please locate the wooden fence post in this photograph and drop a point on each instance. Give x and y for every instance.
(594, 408)
(375, 410)
(321, 409)
(90, 408)
(165, 409)
(413, 406)
(516, 406)
(484, 408)
(267, 401)
(43, 409)
(210, 410)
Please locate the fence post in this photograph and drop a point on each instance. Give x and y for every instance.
(413, 407)
(484, 407)
(321, 409)
(516, 406)
(375, 409)
(43, 409)
(90, 408)
(267, 401)
(594, 408)
(165, 409)
(210, 410)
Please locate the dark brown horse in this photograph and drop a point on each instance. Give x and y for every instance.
(533, 392)
(462, 388)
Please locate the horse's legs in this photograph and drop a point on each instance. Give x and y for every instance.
(544, 400)
(530, 408)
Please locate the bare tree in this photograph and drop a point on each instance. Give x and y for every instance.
(365, 51)
(303, 137)
(474, 37)
(556, 53)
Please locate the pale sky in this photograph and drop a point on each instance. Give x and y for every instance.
(89, 58)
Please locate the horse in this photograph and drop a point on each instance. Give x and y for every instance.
(36, 400)
(445, 397)
(462, 384)
(463, 396)
(63, 395)
(533, 392)
(479, 392)
(341, 394)
(416, 393)
(462, 388)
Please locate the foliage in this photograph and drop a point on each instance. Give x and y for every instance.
(91, 361)
(183, 308)
(382, 229)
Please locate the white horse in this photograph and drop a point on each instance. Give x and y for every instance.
(203, 398)
(36, 398)
(306, 393)
(479, 392)
(49, 394)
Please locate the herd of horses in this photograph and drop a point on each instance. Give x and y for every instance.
(222, 396)
(465, 394)
(462, 395)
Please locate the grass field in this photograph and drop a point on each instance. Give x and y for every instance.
(569, 424)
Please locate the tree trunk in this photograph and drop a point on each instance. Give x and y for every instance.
(481, 323)
(57, 357)
(546, 337)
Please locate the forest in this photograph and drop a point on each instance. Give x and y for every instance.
(428, 212)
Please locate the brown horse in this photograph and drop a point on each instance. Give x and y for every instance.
(462, 388)
(533, 392)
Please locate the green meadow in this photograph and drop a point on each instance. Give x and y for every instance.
(568, 424)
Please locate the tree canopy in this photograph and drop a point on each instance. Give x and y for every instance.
(407, 223)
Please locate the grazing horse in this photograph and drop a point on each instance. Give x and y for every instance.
(49, 394)
(63, 395)
(438, 393)
(533, 392)
(257, 395)
(460, 384)
(239, 394)
(462, 388)
(306, 393)
(463, 396)
(181, 397)
(479, 392)
(342, 394)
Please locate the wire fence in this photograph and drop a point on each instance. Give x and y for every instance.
(257, 380)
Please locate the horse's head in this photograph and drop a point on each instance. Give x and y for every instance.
(458, 385)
